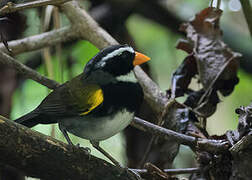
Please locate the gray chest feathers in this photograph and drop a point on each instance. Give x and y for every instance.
(99, 128)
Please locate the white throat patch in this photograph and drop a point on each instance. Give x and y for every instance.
(127, 78)
(115, 53)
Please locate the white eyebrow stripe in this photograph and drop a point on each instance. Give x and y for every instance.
(117, 52)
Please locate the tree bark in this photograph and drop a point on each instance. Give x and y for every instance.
(43, 157)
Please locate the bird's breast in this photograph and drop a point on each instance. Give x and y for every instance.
(98, 128)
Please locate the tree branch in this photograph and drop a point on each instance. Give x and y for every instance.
(88, 28)
(152, 92)
(26, 71)
(42, 156)
(242, 144)
(200, 143)
(247, 10)
(11, 7)
(41, 40)
(172, 171)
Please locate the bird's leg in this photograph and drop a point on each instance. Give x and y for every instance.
(65, 134)
(96, 145)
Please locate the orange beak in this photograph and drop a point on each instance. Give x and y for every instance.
(140, 58)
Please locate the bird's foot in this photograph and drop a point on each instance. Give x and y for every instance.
(232, 137)
(134, 173)
(115, 162)
(130, 171)
(86, 149)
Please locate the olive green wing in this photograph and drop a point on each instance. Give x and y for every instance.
(72, 98)
(86, 96)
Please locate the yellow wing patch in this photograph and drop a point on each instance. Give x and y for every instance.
(86, 96)
(94, 100)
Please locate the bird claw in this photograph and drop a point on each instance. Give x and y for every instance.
(130, 171)
(86, 149)
(232, 137)
(136, 174)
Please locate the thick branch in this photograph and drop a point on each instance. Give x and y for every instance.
(41, 40)
(11, 7)
(88, 28)
(152, 92)
(26, 71)
(41, 156)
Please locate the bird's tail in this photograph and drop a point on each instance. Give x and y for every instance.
(29, 120)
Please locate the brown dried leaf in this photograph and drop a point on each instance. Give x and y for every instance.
(208, 105)
(155, 171)
(215, 61)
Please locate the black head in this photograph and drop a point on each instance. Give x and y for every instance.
(116, 60)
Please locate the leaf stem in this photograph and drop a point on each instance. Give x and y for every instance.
(247, 10)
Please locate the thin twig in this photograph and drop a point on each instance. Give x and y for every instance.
(171, 171)
(247, 10)
(154, 138)
(57, 25)
(147, 151)
(218, 4)
(204, 144)
(26, 71)
(11, 7)
(47, 56)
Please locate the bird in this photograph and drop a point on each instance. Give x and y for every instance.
(98, 103)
